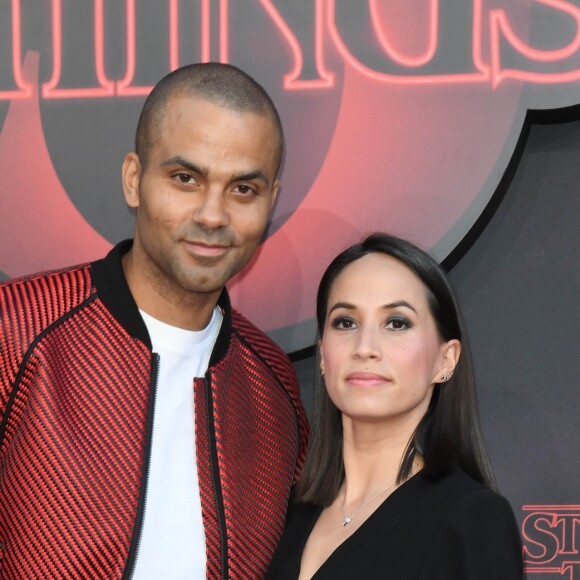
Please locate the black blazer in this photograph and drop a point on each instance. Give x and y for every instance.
(450, 529)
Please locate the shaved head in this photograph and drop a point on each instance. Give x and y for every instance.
(222, 84)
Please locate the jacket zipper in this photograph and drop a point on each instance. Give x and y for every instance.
(214, 468)
(138, 530)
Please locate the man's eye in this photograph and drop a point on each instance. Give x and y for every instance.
(185, 178)
(244, 189)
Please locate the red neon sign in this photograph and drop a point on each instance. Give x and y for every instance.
(551, 540)
(444, 59)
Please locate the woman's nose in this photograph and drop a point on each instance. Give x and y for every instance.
(367, 345)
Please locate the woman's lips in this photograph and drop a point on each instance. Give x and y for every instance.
(365, 379)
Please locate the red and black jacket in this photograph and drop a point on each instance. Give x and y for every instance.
(77, 387)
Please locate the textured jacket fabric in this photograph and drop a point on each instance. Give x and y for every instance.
(77, 391)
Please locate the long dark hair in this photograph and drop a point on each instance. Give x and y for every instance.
(448, 435)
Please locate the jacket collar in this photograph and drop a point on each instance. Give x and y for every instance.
(112, 288)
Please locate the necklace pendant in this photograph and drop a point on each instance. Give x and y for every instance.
(346, 520)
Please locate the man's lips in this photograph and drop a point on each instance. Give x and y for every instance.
(205, 249)
(366, 379)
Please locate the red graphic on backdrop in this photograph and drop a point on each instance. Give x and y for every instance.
(504, 43)
(426, 104)
(38, 220)
(495, 24)
(551, 536)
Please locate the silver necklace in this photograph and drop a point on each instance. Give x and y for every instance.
(348, 519)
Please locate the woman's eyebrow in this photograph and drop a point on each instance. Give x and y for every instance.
(389, 306)
(398, 304)
(345, 305)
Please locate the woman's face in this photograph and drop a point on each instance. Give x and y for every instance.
(380, 352)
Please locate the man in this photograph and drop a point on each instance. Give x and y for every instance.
(114, 461)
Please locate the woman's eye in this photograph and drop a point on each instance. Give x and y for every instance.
(398, 323)
(343, 323)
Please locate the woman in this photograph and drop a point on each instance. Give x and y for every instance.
(397, 483)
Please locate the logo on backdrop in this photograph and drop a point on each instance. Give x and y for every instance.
(551, 541)
(400, 115)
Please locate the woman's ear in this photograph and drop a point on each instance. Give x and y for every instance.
(450, 352)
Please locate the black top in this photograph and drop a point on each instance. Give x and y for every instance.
(450, 529)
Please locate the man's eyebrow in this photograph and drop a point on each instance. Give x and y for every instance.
(251, 176)
(390, 306)
(204, 171)
(177, 160)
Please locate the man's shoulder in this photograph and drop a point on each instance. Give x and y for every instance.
(54, 290)
(261, 344)
(59, 276)
(252, 334)
(76, 277)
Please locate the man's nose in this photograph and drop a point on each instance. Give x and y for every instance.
(211, 212)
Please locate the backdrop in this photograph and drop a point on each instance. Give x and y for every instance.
(401, 115)
(518, 287)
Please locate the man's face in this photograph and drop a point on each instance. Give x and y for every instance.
(204, 198)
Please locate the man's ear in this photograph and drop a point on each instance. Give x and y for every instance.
(275, 190)
(131, 175)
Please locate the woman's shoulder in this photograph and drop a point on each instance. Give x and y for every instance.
(457, 486)
(477, 506)
(458, 503)
(477, 526)
(453, 495)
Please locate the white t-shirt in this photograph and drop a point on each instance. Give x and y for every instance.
(173, 541)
